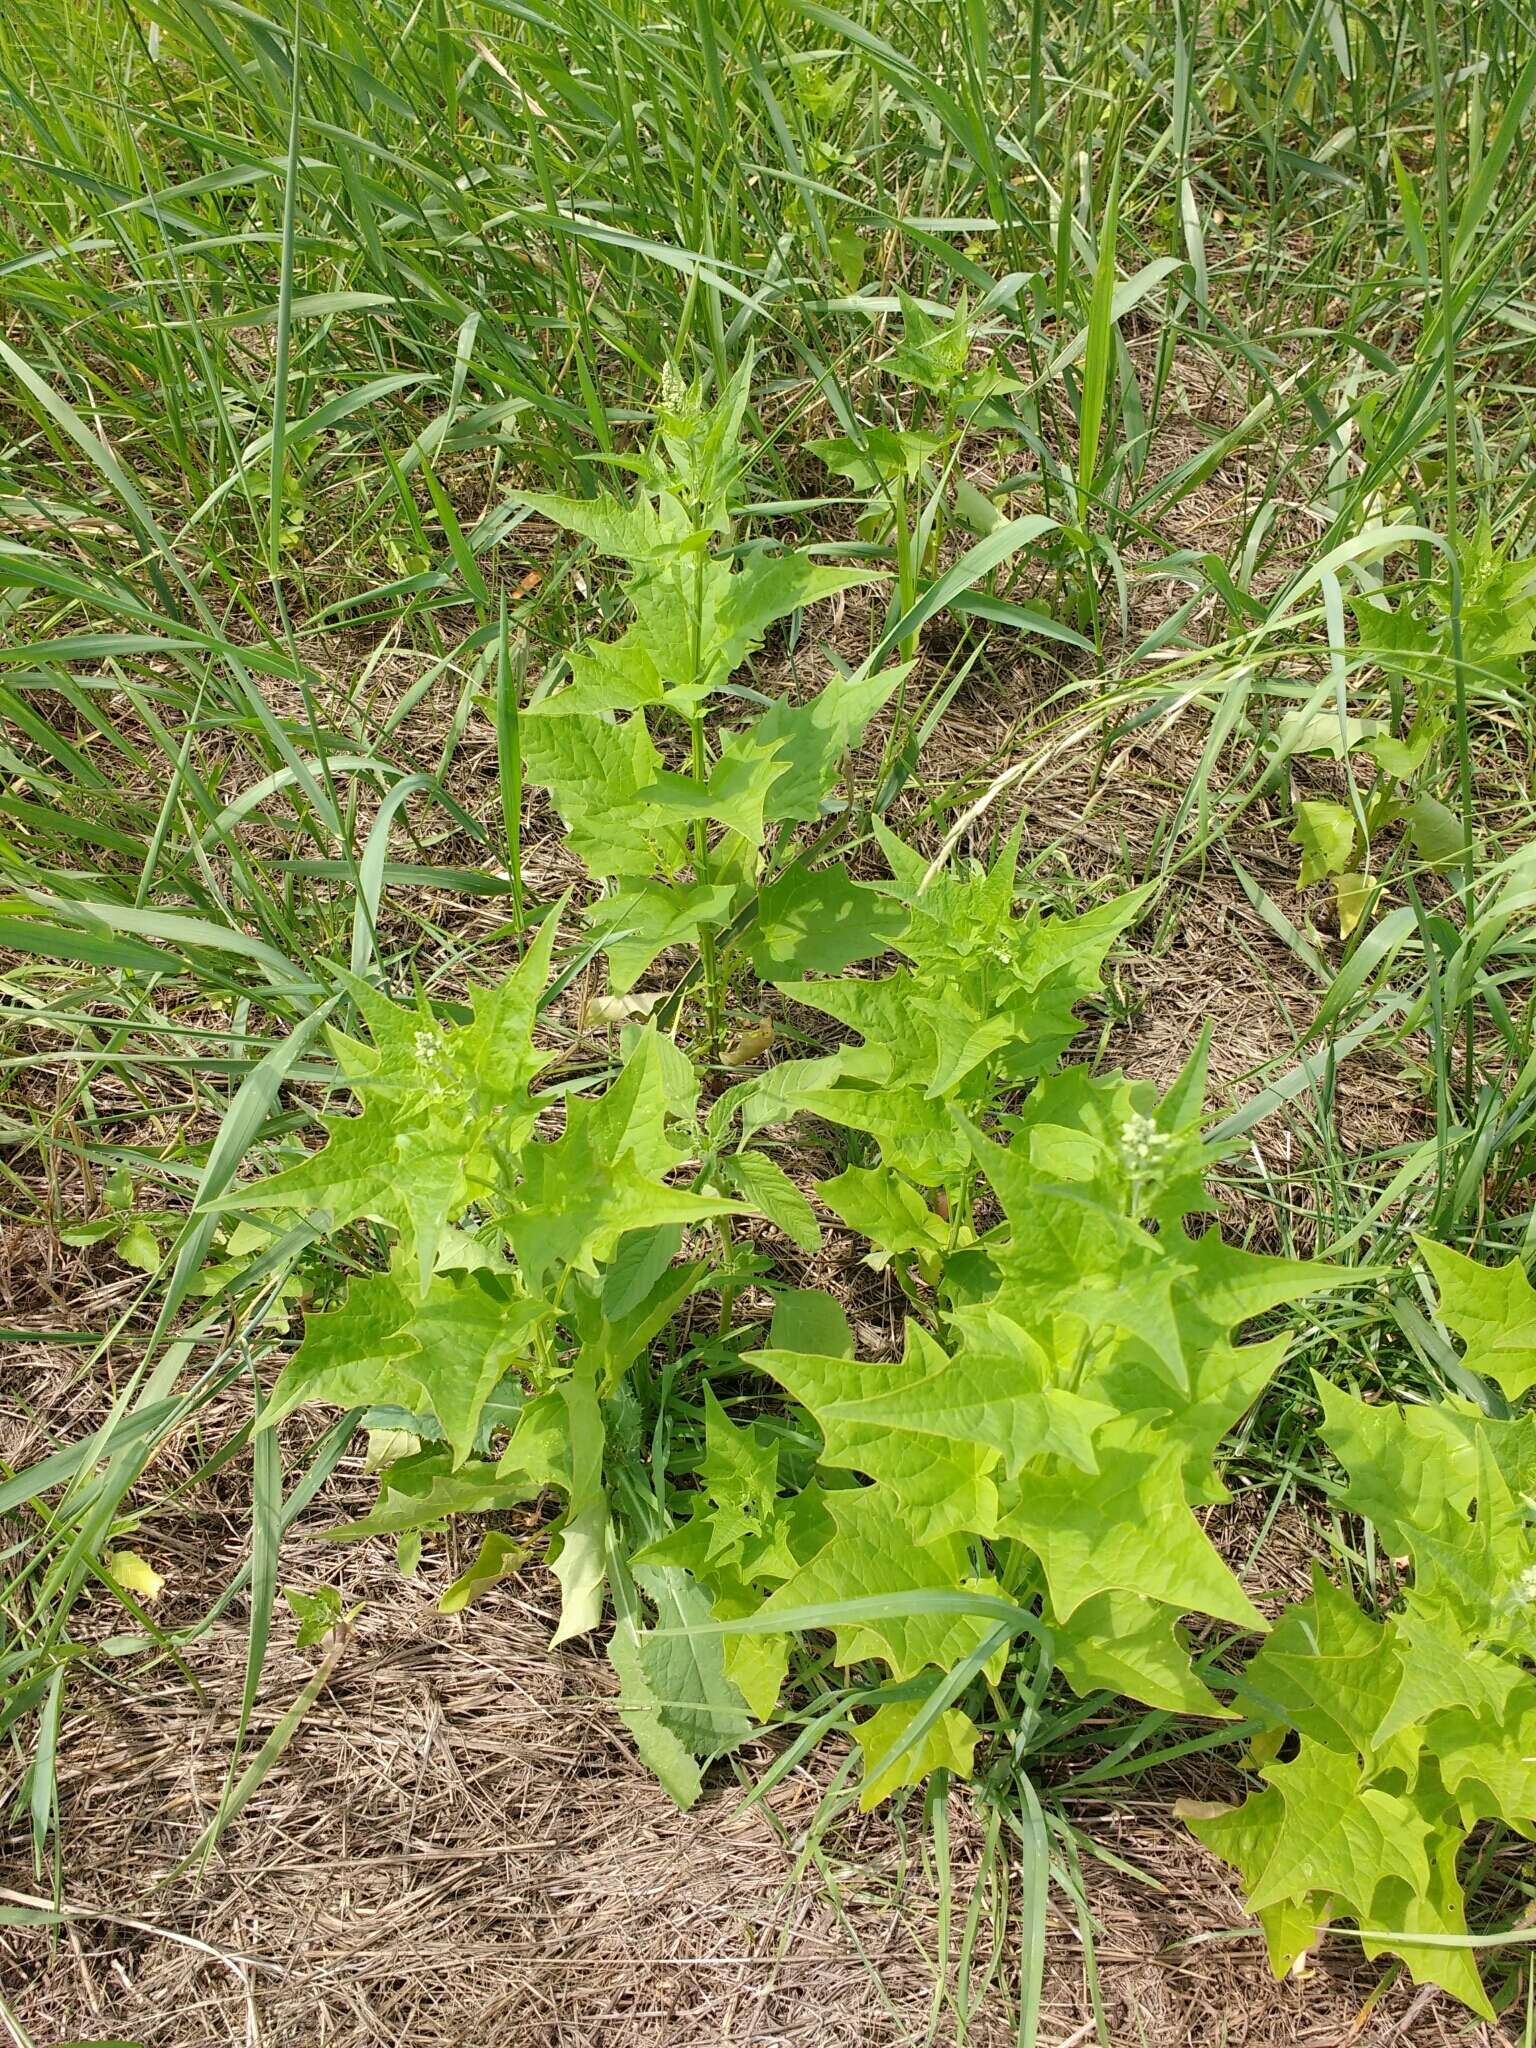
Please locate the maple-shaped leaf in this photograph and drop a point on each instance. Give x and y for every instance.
(1488, 1760)
(943, 1488)
(602, 1176)
(638, 530)
(872, 1553)
(1407, 1464)
(892, 1759)
(737, 1526)
(595, 770)
(1326, 1669)
(1321, 1829)
(1438, 1909)
(1493, 1310)
(1243, 1836)
(811, 739)
(437, 1100)
(642, 918)
(738, 793)
(1476, 1571)
(1126, 1527)
(995, 1392)
(818, 921)
(880, 456)
(1122, 1643)
(441, 1353)
(1440, 1669)
(763, 589)
(1224, 1382)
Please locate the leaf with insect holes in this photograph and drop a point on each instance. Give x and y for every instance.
(443, 1352)
(892, 1759)
(436, 1099)
(1325, 832)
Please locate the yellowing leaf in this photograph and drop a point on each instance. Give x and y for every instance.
(499, 1557)
(135, 1574)
(1325, 832)
(892, 1760)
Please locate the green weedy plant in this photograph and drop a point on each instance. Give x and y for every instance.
(910, 471)
(686, 853)
(1027, 1469)
(1417, 1725)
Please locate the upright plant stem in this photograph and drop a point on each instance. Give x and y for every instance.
(699, 768)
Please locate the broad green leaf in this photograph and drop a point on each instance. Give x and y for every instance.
(1126, 1527)
(603, 1175)
(819, 921)
(135, 1574)
(1438, 838)
(644, 918)
(1439, 1909)
(641, 1711)
(887, 1210)
(1120, 1643)
(766, 1187)
(1319, 1829)
(317, 1614)
(872, 1551)
(640, 530)
(1326, 1669)
(890, 1762)
(433, 1098)
(684, 1664)
(805, 1319)
(441, 1354)
(811, 739)
(1493, 1310)
(1405, 1464)
(595, 771)
(880, 457)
